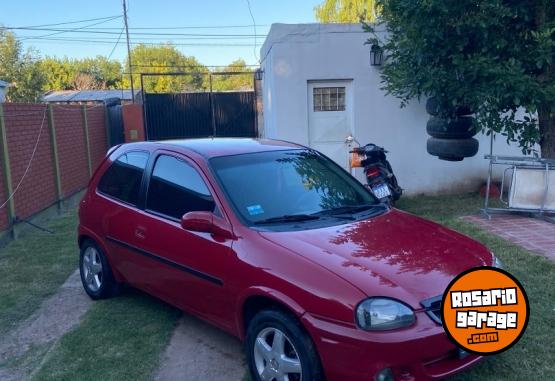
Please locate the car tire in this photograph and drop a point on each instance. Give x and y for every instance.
(96, 275)
(463, 111)
(452, 149)
(459, 128)
(433, 106)
(297, 349)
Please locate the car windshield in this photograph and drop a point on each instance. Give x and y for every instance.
(288, 186)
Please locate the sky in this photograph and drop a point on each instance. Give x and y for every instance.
(194, 20)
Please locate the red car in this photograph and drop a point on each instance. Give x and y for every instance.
(279, 246)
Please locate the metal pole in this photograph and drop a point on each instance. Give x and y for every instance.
(212, 107)
(143, 100)
(486, 200)
(128, 51)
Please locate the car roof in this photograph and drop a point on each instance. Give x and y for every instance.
(213, 147)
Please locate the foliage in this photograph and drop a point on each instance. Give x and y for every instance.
(30, 76)
(20, 69)
(165, 59)
(233, 82)
(493, 56)
(80, 74)
(345, 11)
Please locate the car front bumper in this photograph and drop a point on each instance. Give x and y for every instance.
(421, 352)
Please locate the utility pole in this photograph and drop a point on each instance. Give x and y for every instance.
(128, 51)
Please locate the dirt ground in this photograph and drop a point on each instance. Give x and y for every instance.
(198, 351)
(23, 350)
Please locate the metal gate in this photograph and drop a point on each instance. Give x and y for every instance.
(115, 122)
(196, 115)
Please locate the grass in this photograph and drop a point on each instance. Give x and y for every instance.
(533, 356)
(124, 337)
(33, 267)
(119, 339)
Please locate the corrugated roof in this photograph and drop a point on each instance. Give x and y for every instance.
(86, 95)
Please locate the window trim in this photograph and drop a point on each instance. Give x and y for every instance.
(139, 196)
(218, 210)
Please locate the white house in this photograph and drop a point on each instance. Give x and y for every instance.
(318, 87)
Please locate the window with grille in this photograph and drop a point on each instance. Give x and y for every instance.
(329, 98)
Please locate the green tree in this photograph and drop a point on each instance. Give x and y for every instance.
(21, 69)
(78, 74)
(492, 56)
(345, 11)
(222, 82)
(165, 59)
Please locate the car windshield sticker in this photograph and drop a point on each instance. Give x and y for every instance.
(255, 210)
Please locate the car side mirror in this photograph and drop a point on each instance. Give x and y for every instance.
(206, 222)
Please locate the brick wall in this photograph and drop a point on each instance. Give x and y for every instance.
(27, 127)
(23, 124)
(97, 134)
(72, 152)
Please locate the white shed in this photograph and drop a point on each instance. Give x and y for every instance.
(318, 87)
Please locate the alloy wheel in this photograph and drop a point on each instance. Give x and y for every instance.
(275, 356)
(92, 269)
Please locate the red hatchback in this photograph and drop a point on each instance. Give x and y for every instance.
(279, 246)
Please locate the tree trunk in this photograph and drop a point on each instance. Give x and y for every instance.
(546, 121)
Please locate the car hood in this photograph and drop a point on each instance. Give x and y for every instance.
(395, 254)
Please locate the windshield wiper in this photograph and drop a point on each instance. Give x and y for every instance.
(350, 209)
(288, 218)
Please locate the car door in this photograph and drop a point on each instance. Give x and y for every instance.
(183, 267)
(119, 191)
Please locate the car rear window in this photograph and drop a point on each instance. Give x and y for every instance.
(122, 180)
(177, 188)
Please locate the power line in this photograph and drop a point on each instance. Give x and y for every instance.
(72, 41)
(70, 22)
(115, 46)
(254, 26)
(94, 31)
(190, 27)
(128, 50)
(113, 39)
(195, 66)
(159, 27)
(76, 29)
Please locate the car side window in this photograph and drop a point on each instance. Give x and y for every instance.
(122, 180)
(177, 188)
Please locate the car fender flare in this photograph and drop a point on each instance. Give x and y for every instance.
(268, 293)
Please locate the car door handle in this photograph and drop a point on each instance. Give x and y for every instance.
(140, 233)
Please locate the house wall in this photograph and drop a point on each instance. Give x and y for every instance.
(27, 126)
(295, 54)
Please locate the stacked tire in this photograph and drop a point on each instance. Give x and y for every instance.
(451, 138)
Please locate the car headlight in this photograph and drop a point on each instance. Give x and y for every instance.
(381, 314)
(497, 262)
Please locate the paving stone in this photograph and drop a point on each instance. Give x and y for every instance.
(531, 233)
